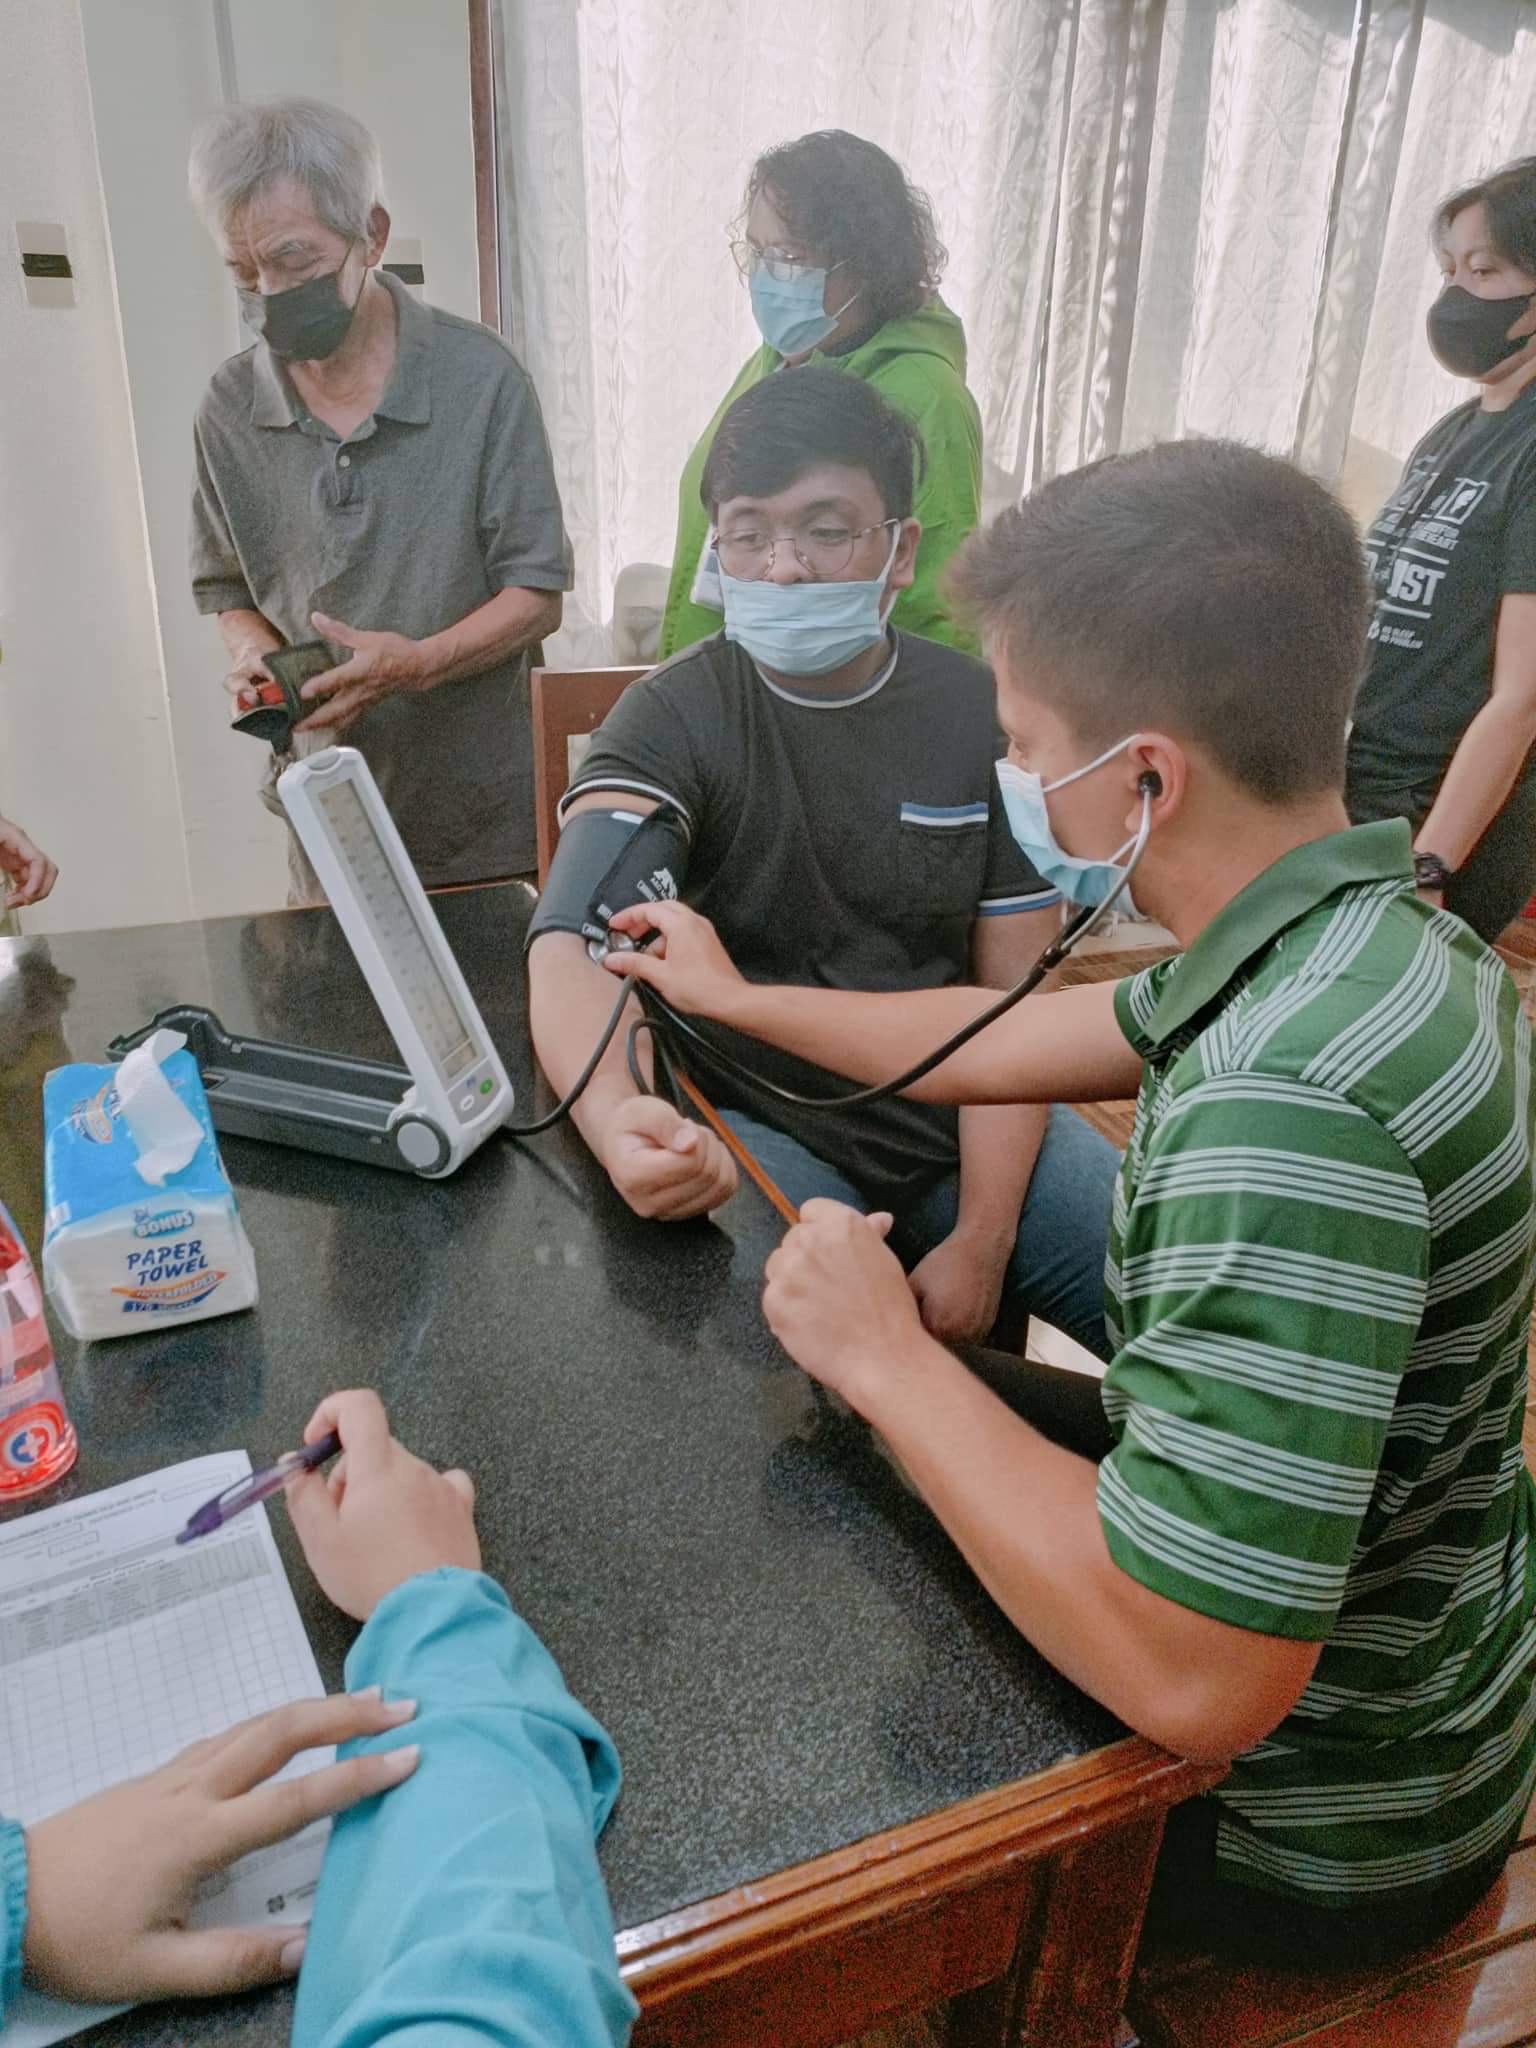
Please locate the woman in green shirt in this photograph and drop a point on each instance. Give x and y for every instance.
(843, 261)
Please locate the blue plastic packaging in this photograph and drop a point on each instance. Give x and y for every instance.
(121, 1256)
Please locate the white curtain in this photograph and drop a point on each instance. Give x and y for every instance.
(1163, 217)
(1298, 150)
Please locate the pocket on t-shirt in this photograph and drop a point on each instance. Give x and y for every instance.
(941, 859)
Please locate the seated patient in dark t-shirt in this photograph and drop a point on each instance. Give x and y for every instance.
(845, 830)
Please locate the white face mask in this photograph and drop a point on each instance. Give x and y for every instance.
(807, 629)
(1029, 820)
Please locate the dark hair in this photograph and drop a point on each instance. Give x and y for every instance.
(1199, 586)
(1508, 199)
(796, 419)
(848, 202)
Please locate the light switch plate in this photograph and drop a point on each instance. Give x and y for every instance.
(47, 275)
(403, 259)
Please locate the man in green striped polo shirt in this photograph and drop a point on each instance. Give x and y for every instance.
(1296, 1536)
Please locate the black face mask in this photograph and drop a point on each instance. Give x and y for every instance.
(304, 324)
(1469, 335)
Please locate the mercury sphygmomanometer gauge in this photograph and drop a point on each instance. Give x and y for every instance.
(452, 1093)
(459, 1093)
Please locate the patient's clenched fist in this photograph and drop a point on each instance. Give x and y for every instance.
(664, 1166)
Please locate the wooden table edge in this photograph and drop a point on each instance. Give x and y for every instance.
(871, 1880)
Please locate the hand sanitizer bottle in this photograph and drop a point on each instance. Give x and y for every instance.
(37, 1438)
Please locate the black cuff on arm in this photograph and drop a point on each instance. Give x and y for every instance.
(605, 862)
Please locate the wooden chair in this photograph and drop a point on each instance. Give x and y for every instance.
(568, 704)
(1474, 1988)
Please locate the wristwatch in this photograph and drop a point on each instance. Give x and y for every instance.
(1431, 872)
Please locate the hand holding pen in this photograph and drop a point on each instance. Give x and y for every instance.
(380, 1516)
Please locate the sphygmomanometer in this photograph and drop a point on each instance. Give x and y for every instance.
(608, 861)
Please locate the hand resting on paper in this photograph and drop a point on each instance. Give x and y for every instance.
(112, 1879)
(110, 1882)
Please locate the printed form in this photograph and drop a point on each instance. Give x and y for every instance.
(118, 1648)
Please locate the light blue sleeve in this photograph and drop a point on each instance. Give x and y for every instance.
(466, 1906)
(13, 1908)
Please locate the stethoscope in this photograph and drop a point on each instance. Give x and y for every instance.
(666, 1025)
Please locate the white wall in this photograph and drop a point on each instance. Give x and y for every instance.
(114, 747)
(405, 72)
(85, 754)
(154, 75)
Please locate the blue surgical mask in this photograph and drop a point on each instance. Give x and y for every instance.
(789, 311)
(806, 629)
(1029, 820)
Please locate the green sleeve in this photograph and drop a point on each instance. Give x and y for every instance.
(684, 623)
(948, 500)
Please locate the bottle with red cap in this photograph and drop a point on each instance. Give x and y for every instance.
(37, 1438)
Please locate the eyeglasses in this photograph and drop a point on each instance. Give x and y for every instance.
(822, 549)
(780, 265)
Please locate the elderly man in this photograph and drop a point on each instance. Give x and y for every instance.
(373, 473)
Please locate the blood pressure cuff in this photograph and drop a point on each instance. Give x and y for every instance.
(607, 861)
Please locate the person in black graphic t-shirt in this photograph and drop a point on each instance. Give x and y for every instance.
(845, 830)
(1445, 722)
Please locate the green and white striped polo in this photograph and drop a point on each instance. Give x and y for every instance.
(1320, 1270)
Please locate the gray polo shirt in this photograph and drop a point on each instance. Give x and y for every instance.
(444, 497)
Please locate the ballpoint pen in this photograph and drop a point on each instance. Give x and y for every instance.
(260, 1486)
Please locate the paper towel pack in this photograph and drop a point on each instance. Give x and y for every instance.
(142, 1228)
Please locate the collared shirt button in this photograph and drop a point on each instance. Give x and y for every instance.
(343, 462)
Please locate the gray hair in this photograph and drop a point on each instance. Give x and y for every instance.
(247, 146)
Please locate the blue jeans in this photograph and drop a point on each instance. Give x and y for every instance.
(1057, 1267)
